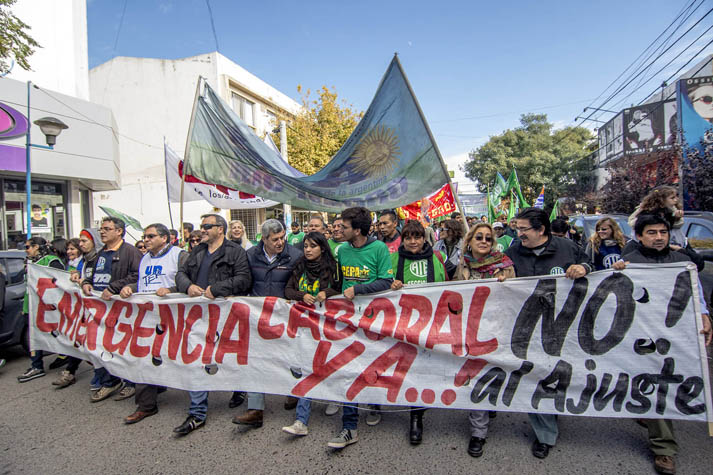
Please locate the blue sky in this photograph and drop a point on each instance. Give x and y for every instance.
(474, 66)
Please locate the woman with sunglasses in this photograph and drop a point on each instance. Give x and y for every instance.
(40, 253)
(194, 239)
(313, 280)
(415, 262)
(141, 247)
(605, 245)
(481, 261)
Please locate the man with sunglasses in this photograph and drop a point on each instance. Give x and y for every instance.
(157, 274)
(217, 267)
(116, 266)
(538, 252)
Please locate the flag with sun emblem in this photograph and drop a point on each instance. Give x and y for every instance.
(390, 160)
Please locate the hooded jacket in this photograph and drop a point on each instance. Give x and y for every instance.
(558, 254)
(270, 278)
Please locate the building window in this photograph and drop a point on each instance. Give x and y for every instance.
(249, 219)
(244, 108)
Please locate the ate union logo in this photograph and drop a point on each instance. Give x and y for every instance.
(12, 122)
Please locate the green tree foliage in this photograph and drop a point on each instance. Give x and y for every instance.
(15, 42)
(542, 156)
(319, 130)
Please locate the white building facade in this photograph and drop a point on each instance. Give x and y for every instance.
(152, 100)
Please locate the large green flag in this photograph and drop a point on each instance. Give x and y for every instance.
(133, 222)
(512, 211)
(500, 187)
(514, 184)
(555, 211)
(491, 211)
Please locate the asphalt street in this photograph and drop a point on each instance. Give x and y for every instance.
(48, 431)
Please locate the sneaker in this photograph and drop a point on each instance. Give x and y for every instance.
(104, 392)
(30, 374)
(373, 418)
(665, 464)
(125, 393)
(65, 379)
(189, 425)
(298, 428)
(58, 362)
(236, 399)
(345, 437)
(94, 388)
(331, 409)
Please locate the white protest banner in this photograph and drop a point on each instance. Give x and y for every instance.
(196, 190)
(612, 344)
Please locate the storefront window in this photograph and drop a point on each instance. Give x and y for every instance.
(48, 211)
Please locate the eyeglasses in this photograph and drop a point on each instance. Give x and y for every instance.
(195, 241)
(480, 237)
(522, 230)
(27, 247)
(208, 226)
(106, 230)
(705, 99)
(149, 236)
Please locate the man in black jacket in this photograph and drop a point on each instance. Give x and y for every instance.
(271, 264)
(652, 234)
(116, 265)
(217, 267)
(537, 252)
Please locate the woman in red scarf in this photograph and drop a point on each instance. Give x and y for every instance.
(480, 260)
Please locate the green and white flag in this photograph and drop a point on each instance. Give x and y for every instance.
(130, 221)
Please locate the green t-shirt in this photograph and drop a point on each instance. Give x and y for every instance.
(293, 239)
(416, 272)
(334, 246)
(503, 243)
(364, 265)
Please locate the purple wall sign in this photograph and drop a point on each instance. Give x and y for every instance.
(12, 122)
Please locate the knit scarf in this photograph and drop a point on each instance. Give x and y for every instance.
(488, 264)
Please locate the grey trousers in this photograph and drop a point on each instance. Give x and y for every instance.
(479, 421)
(545, 427)
(661, 438)
(256, 401)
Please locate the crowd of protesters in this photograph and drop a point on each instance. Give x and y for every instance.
(351, 256)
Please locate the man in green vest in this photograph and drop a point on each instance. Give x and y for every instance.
(502, 239)
(296, 235)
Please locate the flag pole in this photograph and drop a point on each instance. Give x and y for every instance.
(186, 154)
(433, 141)
(168, 199)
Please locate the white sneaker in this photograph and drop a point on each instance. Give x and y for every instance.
(373, 418)
(298, 428)
(345, 437)
(331, 409)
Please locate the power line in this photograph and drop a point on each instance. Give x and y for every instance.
(500, 114)
(116, 43)
(212, 25)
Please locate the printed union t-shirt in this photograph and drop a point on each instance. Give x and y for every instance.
(102, 271)
(293, 239)
(364, 265)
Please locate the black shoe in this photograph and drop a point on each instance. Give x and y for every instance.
(540, 450)
(189, 425)
(416, 432)
(475, 447)
(60, 361)
(237, 399)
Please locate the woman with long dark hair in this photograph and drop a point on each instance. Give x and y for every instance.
(40, 253)
(314, 279)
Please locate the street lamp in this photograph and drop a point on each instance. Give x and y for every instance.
(51, 127)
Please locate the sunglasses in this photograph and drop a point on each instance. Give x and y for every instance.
(195, 241)
(27, 247)
(206, 227)
(149, 236)
(480, 237)
(705, 99)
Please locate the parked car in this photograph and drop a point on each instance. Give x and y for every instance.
(698, 229)
(13, 327)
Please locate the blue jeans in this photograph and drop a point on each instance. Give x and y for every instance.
(36, 358)
(350, 417)
(545, 427)
(106, 379)
(304, 409)
(199, 404)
